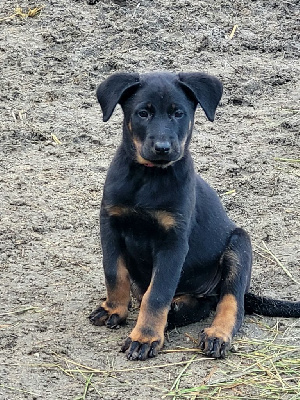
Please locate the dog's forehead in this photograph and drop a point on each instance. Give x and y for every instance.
(158, 77)
(162, 86)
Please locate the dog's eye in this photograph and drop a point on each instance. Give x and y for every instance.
(178, 114)
(143, 114)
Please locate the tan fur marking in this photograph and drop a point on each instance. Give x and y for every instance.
(117, 211)
(225, 319)
(165, 219)
(183, 299)
(150, 326)
(137, 143)
(143, 161)
(118, 298)
(129, 126)
(218, 333)
(138, 147)
(182, 146)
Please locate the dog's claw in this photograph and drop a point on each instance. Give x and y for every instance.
(99, 316)
(137, 351)
(212, 346)
(126, 344)
(113, 321)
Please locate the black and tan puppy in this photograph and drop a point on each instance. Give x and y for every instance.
(165, 235)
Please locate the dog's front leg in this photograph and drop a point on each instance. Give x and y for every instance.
(114, 310)
(147, 338)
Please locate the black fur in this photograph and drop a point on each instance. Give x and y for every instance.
(163, 228)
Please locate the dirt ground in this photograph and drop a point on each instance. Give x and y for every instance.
(55, 151)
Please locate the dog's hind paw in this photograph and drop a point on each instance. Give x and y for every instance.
(214, 343)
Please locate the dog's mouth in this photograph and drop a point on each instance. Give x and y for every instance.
(157, 163)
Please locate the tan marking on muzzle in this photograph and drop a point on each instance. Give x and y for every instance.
(138, 147)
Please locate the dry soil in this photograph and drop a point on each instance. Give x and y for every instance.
(55, 151)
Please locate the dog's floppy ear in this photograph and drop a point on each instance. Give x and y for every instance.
(206, 89)
(111, 90)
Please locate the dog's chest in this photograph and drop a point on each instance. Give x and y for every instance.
(141, 230)
(144, 189)
(141, 222)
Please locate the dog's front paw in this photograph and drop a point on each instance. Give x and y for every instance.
(214, 342)
(143, 342)
(99, 316)
(138, 350)
(104, 316)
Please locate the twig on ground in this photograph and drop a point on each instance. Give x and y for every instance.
(268, 251)
(233, 31)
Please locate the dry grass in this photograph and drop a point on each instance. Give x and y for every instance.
(271, 257)
(289, 160)
(258, 369)
(19, 13)
(263, 370)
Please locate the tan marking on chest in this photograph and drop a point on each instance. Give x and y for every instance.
(118, 211)
(165, 219)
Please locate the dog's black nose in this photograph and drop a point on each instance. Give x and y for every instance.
(162, 148)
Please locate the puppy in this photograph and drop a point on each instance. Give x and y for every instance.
(165, 235)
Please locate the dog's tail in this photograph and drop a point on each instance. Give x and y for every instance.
(271, 307)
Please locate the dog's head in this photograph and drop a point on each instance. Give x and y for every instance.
(159, 111)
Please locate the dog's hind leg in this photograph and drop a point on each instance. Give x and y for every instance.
(236, 272)
(187, 309)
